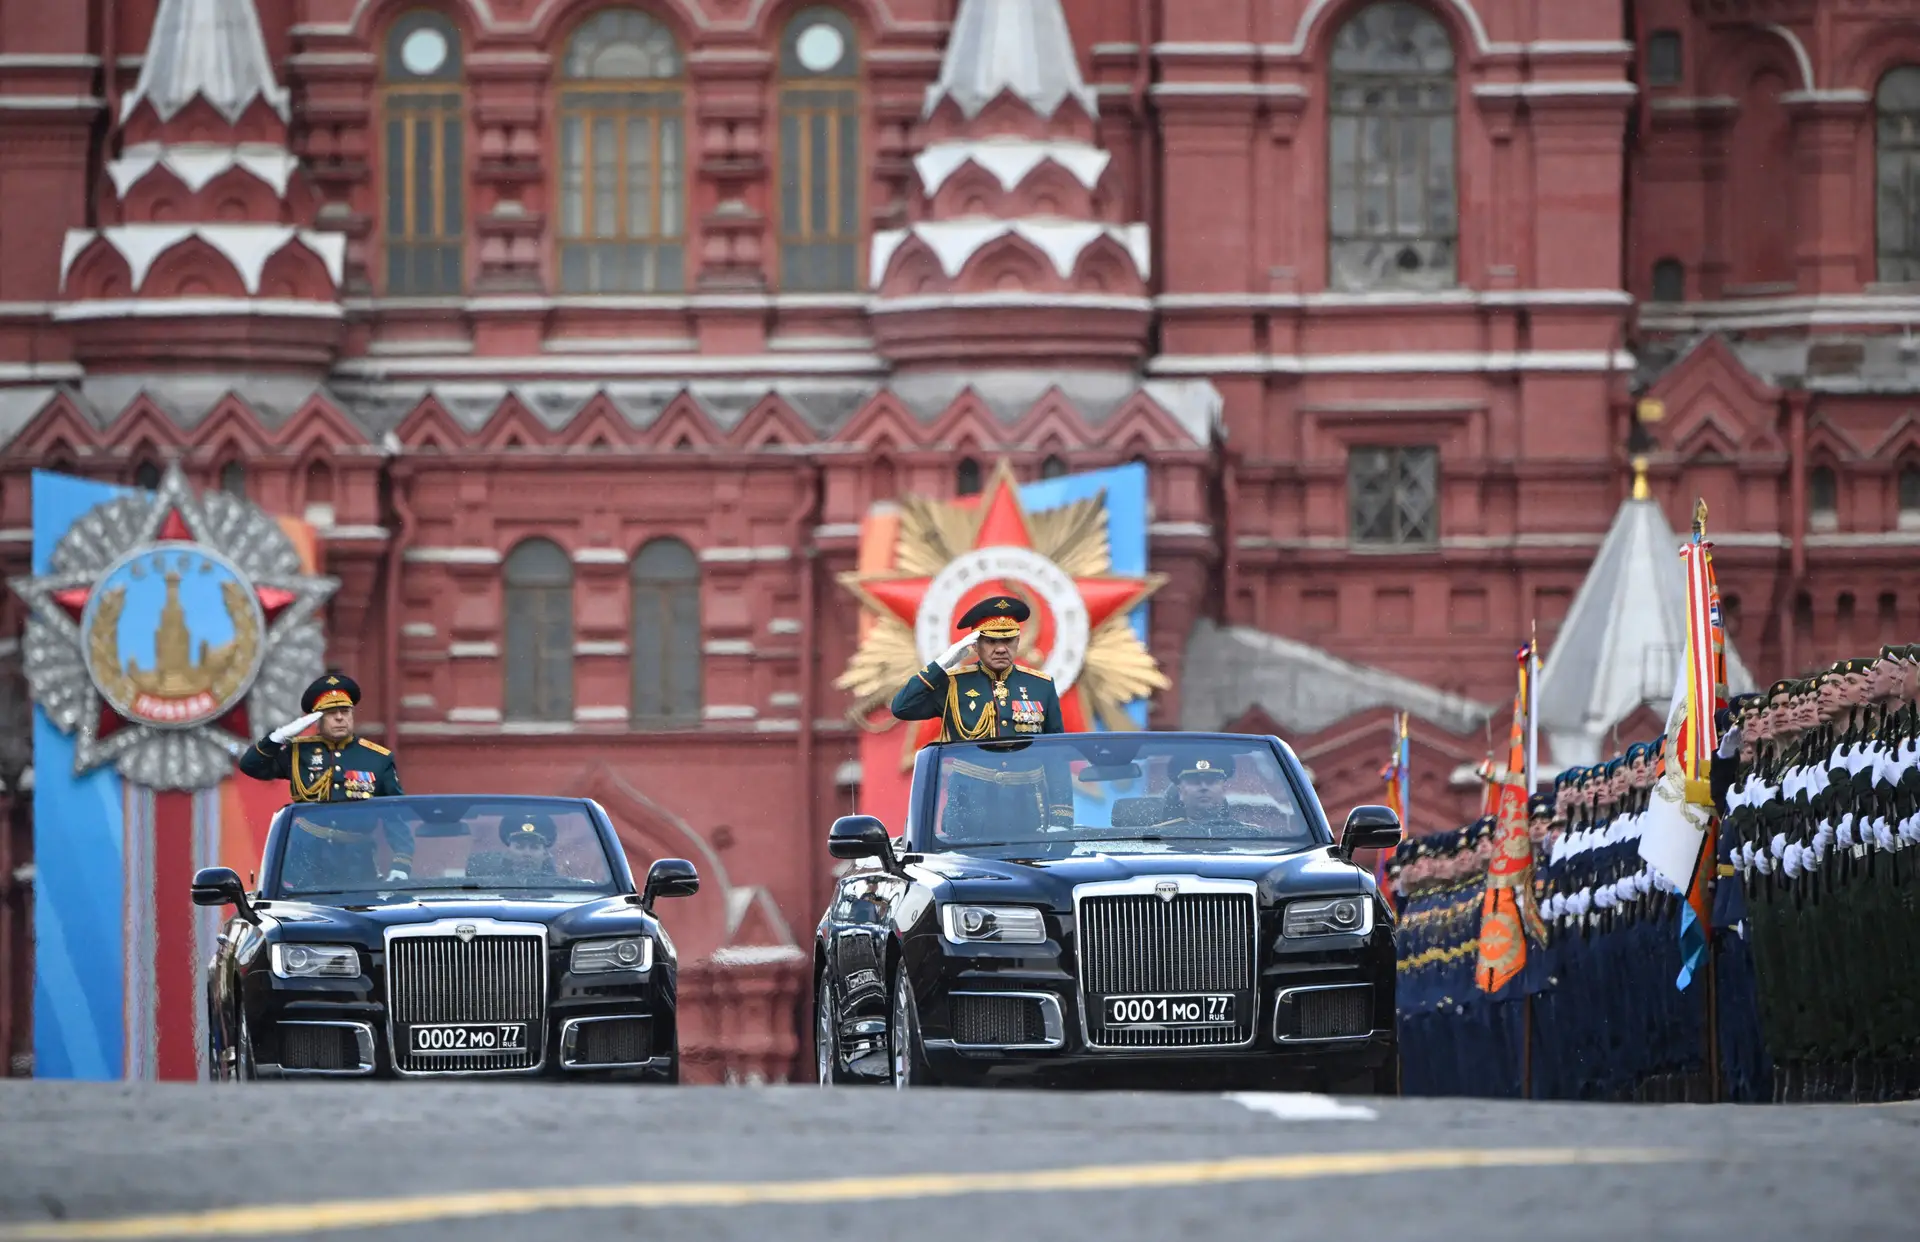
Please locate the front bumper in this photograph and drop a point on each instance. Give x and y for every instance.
(1282, 1045)
(281, 1013)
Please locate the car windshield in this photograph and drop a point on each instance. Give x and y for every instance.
(1079, 792)
(442, 845)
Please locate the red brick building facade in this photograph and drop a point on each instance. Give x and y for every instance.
(587, 333)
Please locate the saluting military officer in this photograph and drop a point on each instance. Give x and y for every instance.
(995, 699)
(335, 766)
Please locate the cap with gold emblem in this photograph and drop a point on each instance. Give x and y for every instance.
(519, 828)
(997, 616)
(1202, 767)
(333, 690)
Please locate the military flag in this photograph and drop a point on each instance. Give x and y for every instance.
(1508, 916)
(1677, 840)
(1398, 775)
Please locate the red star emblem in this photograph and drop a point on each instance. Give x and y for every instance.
(1003, 523)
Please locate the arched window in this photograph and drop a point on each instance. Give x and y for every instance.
(820, 153)
(966, 477)
(623, 158)
(666, 635)
(1053, 467)
(1898, 155)
(147, 475)
(1909, 493)
(233, 479)
(539, 664)
(424, 135)
(1393, 221)
(1669, 281)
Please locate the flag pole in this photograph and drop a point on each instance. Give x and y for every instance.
(1533, 714)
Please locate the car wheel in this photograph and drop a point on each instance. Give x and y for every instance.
(908, 1054)
(826, 1037)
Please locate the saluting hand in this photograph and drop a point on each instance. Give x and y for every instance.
(957, 654)
(294, 728)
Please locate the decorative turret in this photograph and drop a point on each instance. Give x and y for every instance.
(1017, 254)
(1621, 644)
(208, 259)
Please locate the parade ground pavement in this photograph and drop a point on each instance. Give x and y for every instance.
(495, 1161)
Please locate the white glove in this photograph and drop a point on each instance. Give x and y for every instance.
(292, 729)
(956, 654)
(399, 873)
(1729, 744)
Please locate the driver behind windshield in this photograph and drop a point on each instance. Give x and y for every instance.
(529, 841)
(1197, 797)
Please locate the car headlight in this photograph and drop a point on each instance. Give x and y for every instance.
(629, 953)
(316, 961)
(1335, 916)
(997, 924)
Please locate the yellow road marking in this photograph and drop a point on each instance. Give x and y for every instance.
(274, 1220)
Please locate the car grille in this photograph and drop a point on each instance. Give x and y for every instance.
(998, 1021)
(318, 1048)
(1144, 945)
(486, 979)
(621, 1041)
(1344, 1012)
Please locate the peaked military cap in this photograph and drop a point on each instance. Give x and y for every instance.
(332, 690)
(533, 826)
(1202, 765)
(1540, 804)
(997, 616)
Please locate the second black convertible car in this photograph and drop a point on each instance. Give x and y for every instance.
(434, 936)
(1155, 909)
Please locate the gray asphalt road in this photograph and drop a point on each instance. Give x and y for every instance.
(432, 1161)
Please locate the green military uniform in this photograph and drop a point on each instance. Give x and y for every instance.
(317, 770)
(1180, 815)
(973, 704)
(976, 705)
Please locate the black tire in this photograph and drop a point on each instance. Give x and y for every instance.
(246, 1068)
(826, 1038)
(906, 1054)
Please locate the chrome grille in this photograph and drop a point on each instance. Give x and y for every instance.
(1144, 945)
(490, 978)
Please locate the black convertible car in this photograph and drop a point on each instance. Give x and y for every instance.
(435, 936)
(1151, 909)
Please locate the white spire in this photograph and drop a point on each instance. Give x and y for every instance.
(1621, 644)
(1022, 46)
(212, 49)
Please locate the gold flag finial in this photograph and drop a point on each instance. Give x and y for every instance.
(1700, 518)
(1640, 491)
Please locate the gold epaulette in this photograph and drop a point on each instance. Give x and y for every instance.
(1032, 672)
(375, 747)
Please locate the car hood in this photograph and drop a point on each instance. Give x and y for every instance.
(1017, 873)
(365, 923)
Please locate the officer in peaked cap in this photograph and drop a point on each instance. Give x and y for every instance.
(334, 765)
(1197, 793)
(994, 699)
(529, 840)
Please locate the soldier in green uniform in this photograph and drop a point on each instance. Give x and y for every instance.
(1197, 796)
(334, 766)
(996, 699)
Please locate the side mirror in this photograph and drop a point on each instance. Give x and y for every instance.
(221, 886)
(860, 836)
(1369, 828)
(669, 877)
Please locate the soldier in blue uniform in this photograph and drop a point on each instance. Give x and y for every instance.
(996, 699)
(335, 766)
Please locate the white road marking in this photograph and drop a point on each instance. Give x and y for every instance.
(1300, 1106)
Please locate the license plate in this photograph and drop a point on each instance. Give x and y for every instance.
(466, 1038)
(1202, 1009)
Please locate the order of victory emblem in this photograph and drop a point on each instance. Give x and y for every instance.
(168, 626)
(950, 556)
